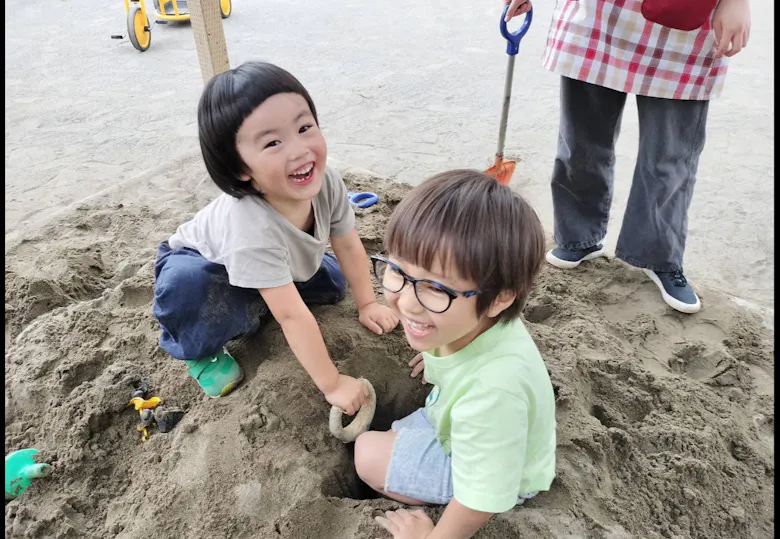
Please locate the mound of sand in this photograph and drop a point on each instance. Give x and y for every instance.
(665, 422)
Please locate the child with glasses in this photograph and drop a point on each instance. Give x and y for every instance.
(462, 252)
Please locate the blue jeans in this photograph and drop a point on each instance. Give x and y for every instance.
(671, 139)
(199, 311)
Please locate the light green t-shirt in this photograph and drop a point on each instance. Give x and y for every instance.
(493, 410)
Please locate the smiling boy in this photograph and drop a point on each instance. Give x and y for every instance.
(462, 254)
(260, 246)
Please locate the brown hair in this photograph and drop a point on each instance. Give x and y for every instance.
(466, 219)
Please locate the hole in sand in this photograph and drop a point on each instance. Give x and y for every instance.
(408, 397)
(539, 310)
(604, 417)
(359, 490)
(343, 482)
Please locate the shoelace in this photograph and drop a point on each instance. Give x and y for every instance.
(679, 279)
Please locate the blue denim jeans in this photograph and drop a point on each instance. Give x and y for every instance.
(671, 139)
(199, 311)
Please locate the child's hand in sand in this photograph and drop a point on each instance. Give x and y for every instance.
(378, 318)
(405, 524)
(349, 394)
(418, 366)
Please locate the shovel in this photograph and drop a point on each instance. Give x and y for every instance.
(503, 170)
(20, 470)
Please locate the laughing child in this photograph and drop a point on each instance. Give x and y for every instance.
(462, 252)
(260, 246)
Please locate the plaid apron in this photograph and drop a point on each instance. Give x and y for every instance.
(609, 43)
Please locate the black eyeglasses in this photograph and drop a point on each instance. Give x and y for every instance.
(434, 296)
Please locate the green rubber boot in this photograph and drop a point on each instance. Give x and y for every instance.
(217, 375)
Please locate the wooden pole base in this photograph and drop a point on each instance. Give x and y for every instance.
(206, 20)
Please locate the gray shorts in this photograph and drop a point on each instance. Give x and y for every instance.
(419, 468)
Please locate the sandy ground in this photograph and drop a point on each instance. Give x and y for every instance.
(666, 422)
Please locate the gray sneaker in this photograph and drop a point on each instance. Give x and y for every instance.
(568, 259)
(675, 290)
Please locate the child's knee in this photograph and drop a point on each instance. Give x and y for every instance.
(370, 462)
(363, 460)
(183, 277)
(337, 278)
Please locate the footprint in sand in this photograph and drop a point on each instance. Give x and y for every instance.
(701, 363)
(540, 309)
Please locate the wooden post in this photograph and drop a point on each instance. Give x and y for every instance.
(206, 19)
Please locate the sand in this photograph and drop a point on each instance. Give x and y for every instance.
(665, 421)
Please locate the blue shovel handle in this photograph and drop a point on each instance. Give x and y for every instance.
(513, 38)
(363, 200)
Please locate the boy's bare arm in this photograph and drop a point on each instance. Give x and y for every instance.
(305, 339)
(457, 522)
(352, 258)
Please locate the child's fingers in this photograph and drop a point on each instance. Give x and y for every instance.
(388, 324)
(404, 515)
(396, 517)
(418, 368)
(373, 326)
(421, 515)
(415, 360)
(392, 527)
(392, 322)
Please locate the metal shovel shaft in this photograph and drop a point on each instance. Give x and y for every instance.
(510, 69)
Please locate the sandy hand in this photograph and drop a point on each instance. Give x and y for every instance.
(403, 524)
(378, 318)
(349, 394)
(418, 366)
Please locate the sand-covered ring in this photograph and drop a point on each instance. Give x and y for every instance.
(362, 419)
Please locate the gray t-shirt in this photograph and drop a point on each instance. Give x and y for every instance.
(257, 245)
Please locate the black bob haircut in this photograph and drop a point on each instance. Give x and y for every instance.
(227, 100)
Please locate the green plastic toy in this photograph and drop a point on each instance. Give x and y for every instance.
(20, 470)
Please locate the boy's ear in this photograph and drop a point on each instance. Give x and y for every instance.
(245, 178)
(501, 303)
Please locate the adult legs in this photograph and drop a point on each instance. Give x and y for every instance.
(655, 225)
(583, 172)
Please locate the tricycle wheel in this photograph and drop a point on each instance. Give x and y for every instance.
(138, 29)
(226, 7)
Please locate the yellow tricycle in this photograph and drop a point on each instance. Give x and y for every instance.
(140, 31)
